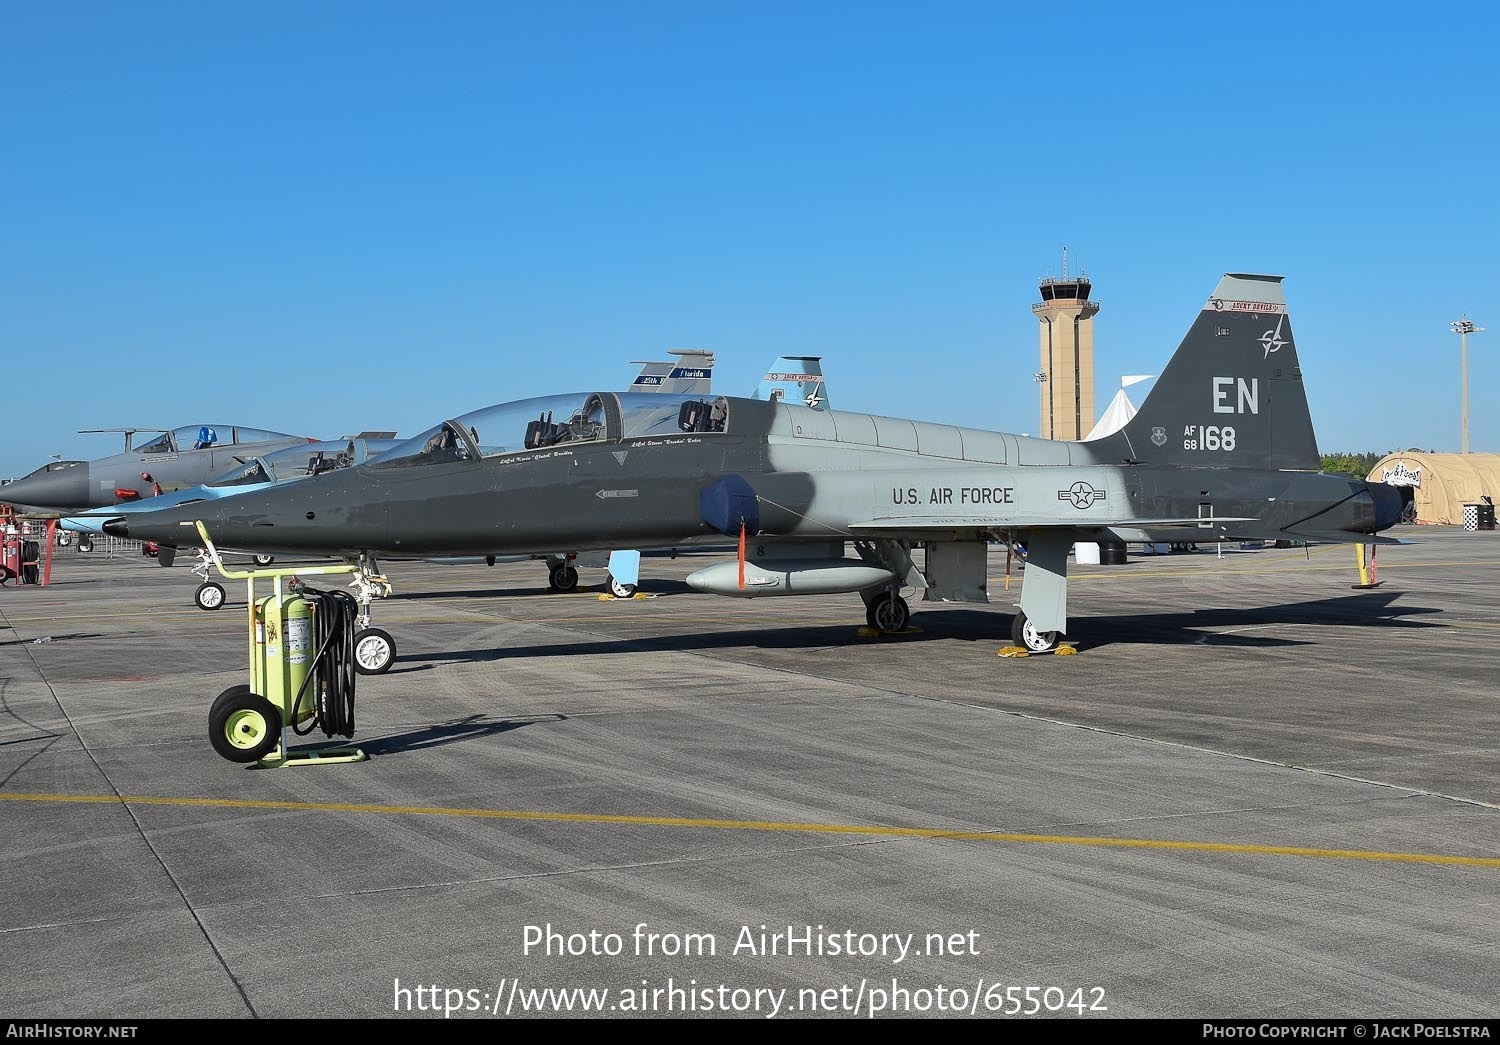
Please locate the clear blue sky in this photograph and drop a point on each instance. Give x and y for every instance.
(322, 217)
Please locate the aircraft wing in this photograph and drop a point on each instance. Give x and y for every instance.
(930, 524)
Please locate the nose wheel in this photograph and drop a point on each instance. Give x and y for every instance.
(374, 651)
(209, 596)
(1025, 634)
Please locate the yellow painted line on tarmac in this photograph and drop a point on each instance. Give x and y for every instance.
(864, 830)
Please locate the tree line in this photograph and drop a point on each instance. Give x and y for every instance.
(1359, 465)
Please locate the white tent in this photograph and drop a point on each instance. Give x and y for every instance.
(1119, 411)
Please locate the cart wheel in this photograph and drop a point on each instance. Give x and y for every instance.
(264, 560)
(564, 579)
(620, 590)
(374, 651)
(243, 726)
(209, 596)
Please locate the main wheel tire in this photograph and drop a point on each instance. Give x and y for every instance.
(888, 613)
(85, 543)
(210, 596)
(64, 538)
(243, 726)
(374, 651)
(1024, 634)
(619, 589)
(264, 560)
(563, 579)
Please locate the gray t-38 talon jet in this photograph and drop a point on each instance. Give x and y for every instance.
(1222, 448)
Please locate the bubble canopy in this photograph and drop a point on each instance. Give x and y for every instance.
(563, 420)
(303, 459)
(197, 437)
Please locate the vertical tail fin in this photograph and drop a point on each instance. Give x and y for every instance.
(1232, 395)
(795, 379)
(692, 374)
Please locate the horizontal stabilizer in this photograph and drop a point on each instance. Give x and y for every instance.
(1340, 537)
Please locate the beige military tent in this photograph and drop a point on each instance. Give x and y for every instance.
(1442, 483)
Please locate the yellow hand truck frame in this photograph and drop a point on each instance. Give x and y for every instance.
(248, 723)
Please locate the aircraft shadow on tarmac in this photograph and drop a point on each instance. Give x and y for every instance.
(1183, 628)
(474, 727)
(1196, 626)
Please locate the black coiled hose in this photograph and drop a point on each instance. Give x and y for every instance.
(332, 673)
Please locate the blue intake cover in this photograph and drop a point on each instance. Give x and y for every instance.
(729, 502)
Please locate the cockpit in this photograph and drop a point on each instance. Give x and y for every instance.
(200, 437)
(561, 423)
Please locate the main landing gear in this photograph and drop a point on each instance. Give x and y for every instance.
(1025, 634)
(887, 613)
(563, 578)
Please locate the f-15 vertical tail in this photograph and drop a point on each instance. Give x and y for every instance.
(691, 374)
(1232, 395)
(795, 379)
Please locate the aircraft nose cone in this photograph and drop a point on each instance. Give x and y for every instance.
(83, 523)
(117, 528)
(65, 489)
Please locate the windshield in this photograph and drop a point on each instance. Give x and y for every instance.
(294, 462)
(162, 444)
(438, 445)
(251, 474)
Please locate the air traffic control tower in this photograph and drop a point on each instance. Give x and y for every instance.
(1066, 378)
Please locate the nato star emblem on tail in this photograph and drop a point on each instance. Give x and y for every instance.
(1271, 339)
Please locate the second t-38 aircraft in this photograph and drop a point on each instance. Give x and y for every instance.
(1222, 448)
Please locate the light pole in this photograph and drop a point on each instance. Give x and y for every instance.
(1463, 328)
